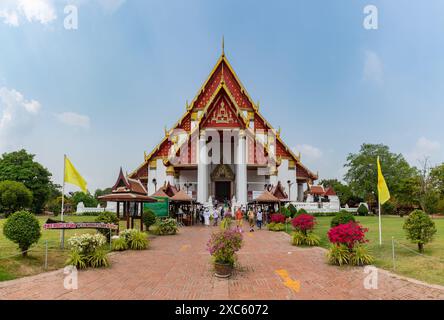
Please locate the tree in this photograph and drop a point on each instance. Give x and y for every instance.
(420, 228)
(87, 199)
(22, 228)
(149, 218)
(437, 178)
(362, 172)
(14, 196)
(342, 190)
(100, 192)
(20, 166)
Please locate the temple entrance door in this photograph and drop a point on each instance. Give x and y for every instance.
(222, 190)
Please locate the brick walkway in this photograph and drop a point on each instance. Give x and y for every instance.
(179, 267)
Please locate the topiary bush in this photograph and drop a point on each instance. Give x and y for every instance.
(420, 228)
(342, 217)
(107, 217)
(362, 210)
(304, 225)
(23, 228)
(148, 218)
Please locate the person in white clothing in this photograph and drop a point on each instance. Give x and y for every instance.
(207, 216)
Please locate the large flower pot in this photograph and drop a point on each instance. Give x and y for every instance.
(223, 270)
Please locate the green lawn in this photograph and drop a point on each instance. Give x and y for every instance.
(15, 267)
(428, 268)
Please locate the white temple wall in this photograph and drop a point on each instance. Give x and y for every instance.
(285, 174)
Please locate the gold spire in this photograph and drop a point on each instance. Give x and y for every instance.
(223, 46)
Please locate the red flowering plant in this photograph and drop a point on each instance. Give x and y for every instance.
(349, 234)
(304, 223)
(224, 244)
(277, 218)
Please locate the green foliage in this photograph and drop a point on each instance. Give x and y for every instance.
(342, 217)
(77, 259)
(273, 226)
(362, 172)
(437, 178)
(430, 201)
(420, 228)
(135, 239)
(14, 196)
(165, 227)
(324, 214)
(98, 259)
(20, 166)
(87, 199)
(292, 209)
(149, 218)
(22, 228)
(343, 191)
(309, 239)
(100, 192)
(226, 223)
(389, 207)
(107, 217)
(286, 212)
(360, 256)
(362, 210)
(86, 243)
(302, 211)
(119, 244)
(338, 255)
(440, 206)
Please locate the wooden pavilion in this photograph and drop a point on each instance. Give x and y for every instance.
(132, 194)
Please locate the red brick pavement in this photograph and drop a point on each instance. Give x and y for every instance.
(179, 267)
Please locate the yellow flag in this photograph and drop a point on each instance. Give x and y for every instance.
(383, 191)
(73, 176)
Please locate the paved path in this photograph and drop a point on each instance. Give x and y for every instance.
(179, 267)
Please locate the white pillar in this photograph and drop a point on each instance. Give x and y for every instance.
(241, 175)
(300, 191)
(202, 184)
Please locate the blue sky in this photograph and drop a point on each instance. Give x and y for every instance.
(103, 93)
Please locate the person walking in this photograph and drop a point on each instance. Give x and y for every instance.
(207, 216)
(239, 217)
(215, 216)
(251, 219)
(259, 218)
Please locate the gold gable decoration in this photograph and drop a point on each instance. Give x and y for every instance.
(222, 172)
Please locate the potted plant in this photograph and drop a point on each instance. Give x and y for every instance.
(223, 246)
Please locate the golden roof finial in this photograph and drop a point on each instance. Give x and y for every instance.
(223, 46)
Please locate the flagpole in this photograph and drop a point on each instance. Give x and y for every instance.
(62, 232)
(380, 225)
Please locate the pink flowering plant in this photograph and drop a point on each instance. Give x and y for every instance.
(347, 245)
(303, 234)
(277, 218)
(224, 244)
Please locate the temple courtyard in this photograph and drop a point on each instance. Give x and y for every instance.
(179, 267)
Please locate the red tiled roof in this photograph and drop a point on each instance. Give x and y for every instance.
(330, 192)
(319, 190)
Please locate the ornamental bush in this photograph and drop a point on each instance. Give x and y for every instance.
(86, 243)
(348, 234)
(304, 223)
(273, 226)
(362, 210)
(293, 210)
(87, 251)
(302, 211)
(165, 226)
(277, 218)
(14, 196)
(342, 217)
(420, 228)
(23, 228)
(107, 217)
(224, 244)
(286, 212)
(149, 218)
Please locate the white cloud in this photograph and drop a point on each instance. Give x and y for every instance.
(423, 148)
(42, 11)
(74, 119)
(308, 151)
(373, 68)
(17, 116)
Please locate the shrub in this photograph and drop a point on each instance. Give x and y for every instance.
(286, 212)
(293, 210)
(224, 244)
(119, 244)
(226, 222)
(342, 217)
(324, 214)
(149, 218)
(362, 210)
(420, 228)
(22, 228)
(348, 234)
(304, 223)
(388, 208)
(273, 226)
(302, 211)
(360, 256)
(98, 259)
(338, 254)
(138, 241)
(76, 259)
(107, 217)
(166, 227)
(277, 218)
(14, 196)
(309, 239)
(86, 243)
